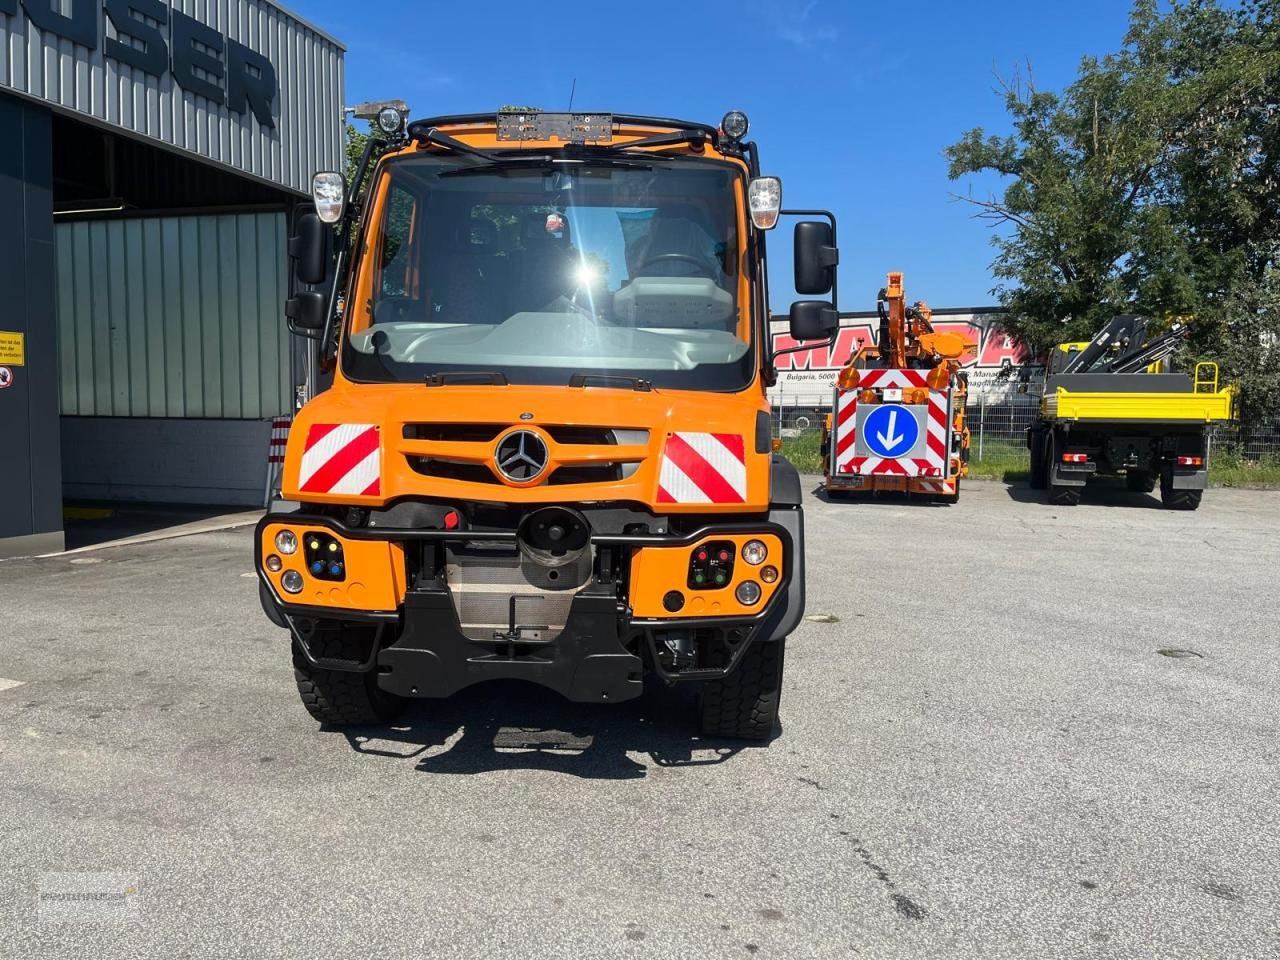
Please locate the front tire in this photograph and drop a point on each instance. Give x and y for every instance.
(343, 697)
(1039, 479)
(744, 705)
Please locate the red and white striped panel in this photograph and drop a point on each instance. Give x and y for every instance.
(935, 486)
(341, 458)
(279, 439)
(883, 377)
(934, 464)
(703, 468)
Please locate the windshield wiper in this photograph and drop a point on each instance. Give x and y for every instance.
(694, 137)
(432, 135)
(610, 380)
(492, 377)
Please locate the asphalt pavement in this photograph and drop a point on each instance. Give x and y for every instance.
(1011, 730)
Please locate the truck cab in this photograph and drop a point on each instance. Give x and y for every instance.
(545, 453)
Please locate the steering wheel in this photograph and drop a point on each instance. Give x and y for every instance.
(703, 267)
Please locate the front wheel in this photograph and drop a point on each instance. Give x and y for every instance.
(1039, 478)
(343, 697)
(744, 705)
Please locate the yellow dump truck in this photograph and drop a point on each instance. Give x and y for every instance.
(1111, 407)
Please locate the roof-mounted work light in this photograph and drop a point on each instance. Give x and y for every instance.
(387, 115)
(735, 125)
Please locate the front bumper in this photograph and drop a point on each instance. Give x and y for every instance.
(598, 656)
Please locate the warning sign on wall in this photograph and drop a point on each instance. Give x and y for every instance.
(11, 349)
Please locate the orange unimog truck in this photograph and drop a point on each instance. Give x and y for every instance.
(546, 452)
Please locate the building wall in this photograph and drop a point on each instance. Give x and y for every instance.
(69, 65)
(177, 317)
(30, 497)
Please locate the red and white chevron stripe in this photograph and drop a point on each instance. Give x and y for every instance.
(888, 377)
(935, 486)
(341, 458)
(703, 468)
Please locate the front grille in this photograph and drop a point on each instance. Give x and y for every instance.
(483, 581)
(471, 465)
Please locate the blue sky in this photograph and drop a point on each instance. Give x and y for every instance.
(851, 101)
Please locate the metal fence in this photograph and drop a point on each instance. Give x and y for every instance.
(998, 425)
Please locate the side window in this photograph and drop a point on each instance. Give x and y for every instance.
(395, 258)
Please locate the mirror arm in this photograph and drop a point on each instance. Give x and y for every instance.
(835, 287)
(830, 343)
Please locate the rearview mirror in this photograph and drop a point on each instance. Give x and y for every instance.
(813, 320)
(304, 312)
(309, 249)
(815, 257)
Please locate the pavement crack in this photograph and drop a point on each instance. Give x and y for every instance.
(902, 904)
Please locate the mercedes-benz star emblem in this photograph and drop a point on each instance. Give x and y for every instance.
(521, 456)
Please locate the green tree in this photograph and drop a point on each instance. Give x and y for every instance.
(353, 148)
(1150, 184)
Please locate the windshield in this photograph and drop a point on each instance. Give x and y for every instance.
(540, 270)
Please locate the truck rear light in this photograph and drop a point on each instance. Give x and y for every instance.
(1075, 458)
(1191, 461)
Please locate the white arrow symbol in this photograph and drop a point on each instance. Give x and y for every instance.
(894, 438)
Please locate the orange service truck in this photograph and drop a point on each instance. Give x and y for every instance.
(545, 454)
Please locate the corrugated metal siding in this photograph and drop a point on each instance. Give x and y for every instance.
(174, 317)
(308, 106)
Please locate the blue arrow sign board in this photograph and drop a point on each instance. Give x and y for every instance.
(890, 430)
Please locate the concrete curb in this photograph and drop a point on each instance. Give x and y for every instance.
(231, 521)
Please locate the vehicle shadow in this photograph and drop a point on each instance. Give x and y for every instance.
(508, 725)
(1099, 493)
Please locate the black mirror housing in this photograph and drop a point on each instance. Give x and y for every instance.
(816, 257)
(309, 248)
(305, 313)
(813, 320)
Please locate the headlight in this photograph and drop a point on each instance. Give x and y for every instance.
(286, 542)
(764, 198)
(291, 581)
(754, 552)
(748, 593)
(274, 563)
(769, 574)
(329, 191)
